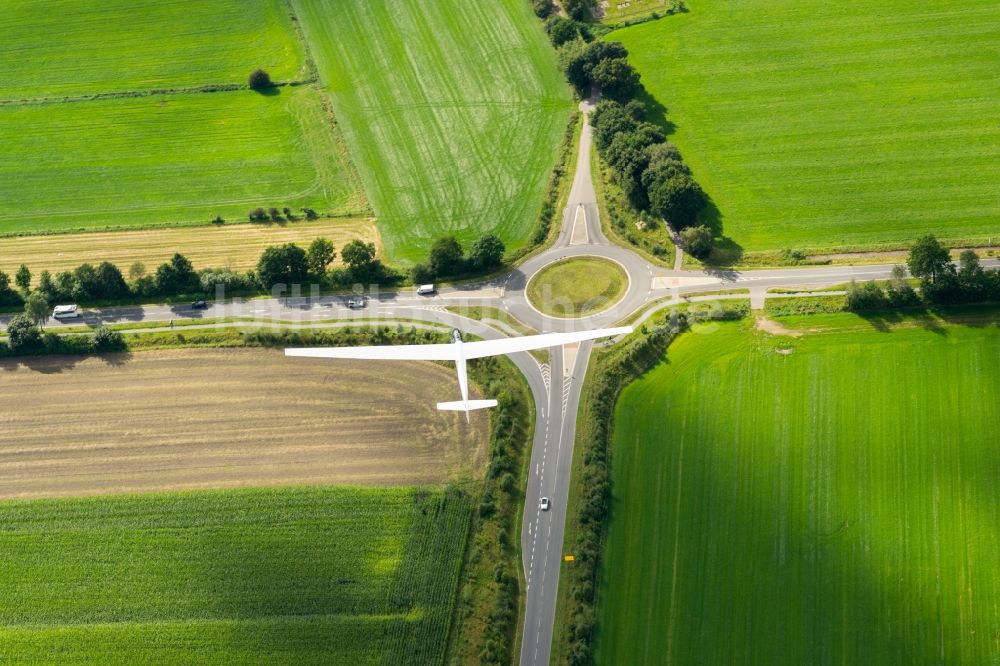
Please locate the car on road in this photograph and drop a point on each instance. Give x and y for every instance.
(426, 290)
(65, 312)
(356, 302)
(543, 504)
(199, 305)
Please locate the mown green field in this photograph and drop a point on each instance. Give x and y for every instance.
(308, 575)
(834, 125)
(145, 161)
(130, 159)
(828, 499)
(56, 48)
(452, 110)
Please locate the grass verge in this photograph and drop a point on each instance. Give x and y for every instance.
(578, 286)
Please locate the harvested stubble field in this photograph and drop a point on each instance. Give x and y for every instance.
(452, 110)
(346, 576)
(208, 418)
(822, 499)
(819, 124)
(236, 246)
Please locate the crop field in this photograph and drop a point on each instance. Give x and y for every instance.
(833, 125)
(452, 111)
(211, 418)
(156, 160)
(297, 575)
(235, 246)
(60, 48)
(107, 120)
(823, 499)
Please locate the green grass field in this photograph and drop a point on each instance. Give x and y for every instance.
(578, 286)
(827, 499)
(310, 575)
(146, 161)
(56, 48)
(452, 111)
(131, 159)
(834, 125)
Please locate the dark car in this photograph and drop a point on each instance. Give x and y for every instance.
(356, 302)
(199, 305)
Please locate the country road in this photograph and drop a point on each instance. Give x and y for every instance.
(556, 386)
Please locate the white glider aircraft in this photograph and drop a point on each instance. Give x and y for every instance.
(459, 352)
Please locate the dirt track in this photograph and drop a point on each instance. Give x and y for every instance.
(185, 419)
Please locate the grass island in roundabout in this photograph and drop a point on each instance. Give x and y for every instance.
(577, 286)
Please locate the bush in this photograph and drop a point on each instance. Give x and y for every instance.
(865, 296)
(421, 274)
(229, 281)
(578, 10)
(697, 241)
(23, 335)
(258, 215)
(543, 8)
(561, 30)
(107, 340)
(259, 80)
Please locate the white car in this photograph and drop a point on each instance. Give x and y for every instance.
(544, 504)
(426, 290)
(65, 312)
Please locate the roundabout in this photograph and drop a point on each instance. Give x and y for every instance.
(577, 286)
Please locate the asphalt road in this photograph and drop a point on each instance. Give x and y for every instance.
(556, 386)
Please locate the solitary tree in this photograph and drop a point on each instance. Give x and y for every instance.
(36, 307)
(259, 80)
(928, 259)
(319, 255)
(22, 278)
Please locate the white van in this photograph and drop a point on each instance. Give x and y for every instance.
(425, 290)
(65, 312)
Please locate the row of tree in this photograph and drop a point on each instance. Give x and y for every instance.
(942, 282)
(448, 258)
(274, 215)
(25, 336)
(649, 169)
(281, 264)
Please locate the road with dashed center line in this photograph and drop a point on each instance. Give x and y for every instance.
(556, 386)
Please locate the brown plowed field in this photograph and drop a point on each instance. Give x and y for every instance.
(185, 419)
